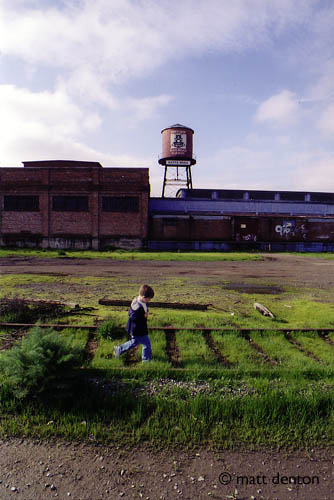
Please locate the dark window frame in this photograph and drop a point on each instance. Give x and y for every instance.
(120, 204)
(70, 203)
(21, 203)
(326, 198)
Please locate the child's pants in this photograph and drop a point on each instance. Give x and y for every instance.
(145, 340)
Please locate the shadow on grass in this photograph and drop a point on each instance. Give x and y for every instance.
(112, 411)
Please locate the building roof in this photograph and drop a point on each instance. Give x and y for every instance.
(62, 164)
(256, 195)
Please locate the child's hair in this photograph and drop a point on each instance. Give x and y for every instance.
(146, 291)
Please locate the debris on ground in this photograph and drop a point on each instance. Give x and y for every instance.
(263, 310)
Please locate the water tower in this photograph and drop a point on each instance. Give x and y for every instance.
(177, 157)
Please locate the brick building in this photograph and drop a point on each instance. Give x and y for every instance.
(73, 204)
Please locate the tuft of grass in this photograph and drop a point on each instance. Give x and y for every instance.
(34, 364)
(105, 330)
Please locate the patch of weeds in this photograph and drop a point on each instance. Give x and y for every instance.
(77, 338)
(41, 359)
(19, 310)
(110, 330)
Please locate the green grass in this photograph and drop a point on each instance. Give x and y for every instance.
(132, 255)
(294, 307)
(312, 342)
(105, 353)
(194, 352)
(158, 341)
(237, 350)
(78, 337)
(274, 418)
(280, 350)
(249, 403)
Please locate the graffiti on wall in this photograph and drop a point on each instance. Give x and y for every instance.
(289, 229)
(249, 237)
(286, 228)
(245, 237)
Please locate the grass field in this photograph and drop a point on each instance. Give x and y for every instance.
(223, 388)
(132, 255)
(249, 402)
(118, 254)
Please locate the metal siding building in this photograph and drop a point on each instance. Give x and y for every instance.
(203, 219)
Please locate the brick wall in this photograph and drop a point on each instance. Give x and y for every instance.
(22, 222)
(75, 179)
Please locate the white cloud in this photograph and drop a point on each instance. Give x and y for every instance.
(237, 168)
(49, 125)
(89, 89)
(144, 108)
(47, 112)
(315, 172)
(125, 38)
(34, 145)
(280, 108)
(326, 121)
(246, 168)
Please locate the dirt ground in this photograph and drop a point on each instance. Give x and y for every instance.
(39, 470)
(279, 268)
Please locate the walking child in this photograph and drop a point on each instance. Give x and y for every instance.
(137, 324)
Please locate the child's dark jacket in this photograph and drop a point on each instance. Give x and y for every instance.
(137, 322)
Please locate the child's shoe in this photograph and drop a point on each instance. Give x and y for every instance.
(116, 351)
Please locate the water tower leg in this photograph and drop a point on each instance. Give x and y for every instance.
(164, 183)
(189, 178)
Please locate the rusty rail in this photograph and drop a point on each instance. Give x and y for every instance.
(168, 305)
(173, 328)
(46, 325)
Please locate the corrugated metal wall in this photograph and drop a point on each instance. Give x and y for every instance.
(197, 225)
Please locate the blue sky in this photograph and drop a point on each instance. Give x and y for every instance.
(98, 80)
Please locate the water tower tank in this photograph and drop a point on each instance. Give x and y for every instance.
(177, 145)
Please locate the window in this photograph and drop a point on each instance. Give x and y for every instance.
(70, 203)
(230, 194)
(322, 197)
(261, 195)
(21, 203)
(120, 204)
(292, 196)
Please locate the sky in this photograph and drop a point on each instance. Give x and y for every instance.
(97, 80)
